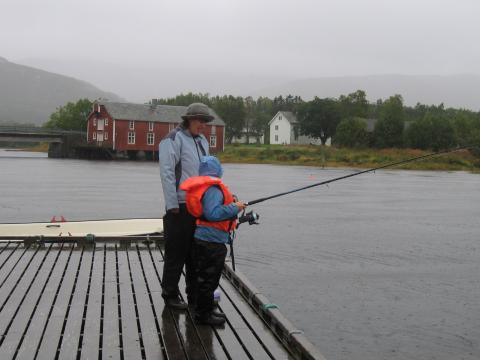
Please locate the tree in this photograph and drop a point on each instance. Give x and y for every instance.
(389, 128)
(232, 110)
(419, 134)
(354, 104)
(466, 125)
(443, 134)
(183, 100)
(319, 118)
(258, 115)
(250, 115)
(290, 103)
(351, 132)
(72, 116)
(433, 131)
(263, 114)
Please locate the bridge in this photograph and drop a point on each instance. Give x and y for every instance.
(35, 134)
(62, 143)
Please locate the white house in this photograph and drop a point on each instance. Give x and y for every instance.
(284, 129)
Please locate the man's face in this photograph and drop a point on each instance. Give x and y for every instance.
(196, 126)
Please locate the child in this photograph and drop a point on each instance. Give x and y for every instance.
(210, 201)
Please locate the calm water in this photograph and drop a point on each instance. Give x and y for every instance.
(380, 266)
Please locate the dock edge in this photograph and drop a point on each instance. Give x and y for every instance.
(291, 337)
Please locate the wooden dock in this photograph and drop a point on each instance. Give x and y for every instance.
(69, 299)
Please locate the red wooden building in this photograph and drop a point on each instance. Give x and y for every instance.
(126, 128)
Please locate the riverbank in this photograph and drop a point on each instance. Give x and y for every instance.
(310, 155)
(42, 147)
(36, 147)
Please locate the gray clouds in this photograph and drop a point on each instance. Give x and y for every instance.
(298, 38)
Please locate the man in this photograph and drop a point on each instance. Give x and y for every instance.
(180, 153)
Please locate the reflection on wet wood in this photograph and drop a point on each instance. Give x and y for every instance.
(103, 301)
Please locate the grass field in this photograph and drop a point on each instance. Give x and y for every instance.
(334, 157)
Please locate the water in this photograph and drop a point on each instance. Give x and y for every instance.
(379, 266)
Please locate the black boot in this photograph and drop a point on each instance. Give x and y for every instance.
(219, 314)
(209, 319)
(175, 303)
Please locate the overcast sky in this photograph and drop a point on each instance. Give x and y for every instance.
(301, 38)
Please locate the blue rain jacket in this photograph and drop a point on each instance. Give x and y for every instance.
(212, 203)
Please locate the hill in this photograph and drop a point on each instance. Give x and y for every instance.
(460, 91)
(29, 95)
(142, 83)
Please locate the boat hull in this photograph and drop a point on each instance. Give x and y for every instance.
(123, 227)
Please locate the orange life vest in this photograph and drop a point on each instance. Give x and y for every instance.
(195, 187)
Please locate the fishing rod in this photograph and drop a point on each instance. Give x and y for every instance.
(358, 173)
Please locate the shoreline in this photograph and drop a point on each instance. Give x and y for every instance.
(330, 157)
(347, 158)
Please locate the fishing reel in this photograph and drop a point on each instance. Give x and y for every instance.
(250, 217)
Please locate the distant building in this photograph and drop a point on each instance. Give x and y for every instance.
(284, 129)
(252, 139)
(133, 128)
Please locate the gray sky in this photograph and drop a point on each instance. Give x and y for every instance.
(271, 38)
(301, 38)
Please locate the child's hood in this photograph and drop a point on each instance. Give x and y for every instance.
(210, 166)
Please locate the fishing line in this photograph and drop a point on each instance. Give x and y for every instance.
(359, 173)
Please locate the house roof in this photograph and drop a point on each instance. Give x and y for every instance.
(154, 113)
(290, 116)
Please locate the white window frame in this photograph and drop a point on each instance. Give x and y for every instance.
(94, 121)
(131, 138)
(150, 126)
(106, 121)
(105, 135)
(94, 135)
(276, 138)
(280, 117)
(276, 127)
(171, 126)
(150, 138)
(213, 141)
(131, 125)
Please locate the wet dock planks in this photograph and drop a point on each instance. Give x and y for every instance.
(63, 301)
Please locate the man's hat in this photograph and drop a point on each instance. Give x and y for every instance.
(198, 111)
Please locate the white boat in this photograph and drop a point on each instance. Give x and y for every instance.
(120, 227)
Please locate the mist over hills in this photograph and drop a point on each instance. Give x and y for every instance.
(459, 91)
(29, 95)
(142, 83)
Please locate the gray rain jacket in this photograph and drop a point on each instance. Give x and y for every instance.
(179, 156)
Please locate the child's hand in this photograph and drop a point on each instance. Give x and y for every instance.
(241, 205)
